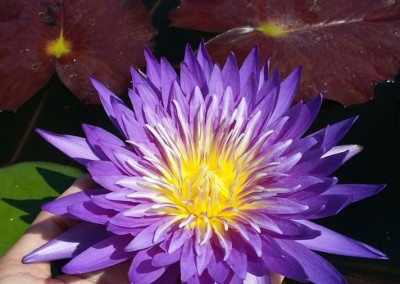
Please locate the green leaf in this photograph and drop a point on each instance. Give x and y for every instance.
(24, 188)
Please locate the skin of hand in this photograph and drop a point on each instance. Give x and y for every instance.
(45, 227)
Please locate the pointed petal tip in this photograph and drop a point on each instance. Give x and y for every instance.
(47, 135)
(381, 255)
(373, 253)
(147, 50)
(296, 72)
(202, 44)
(149, 56)
(375, 189)
(132, 69)
(188, 47)
(94, 81)
(42, 132)
(189, 53)
(29, 258)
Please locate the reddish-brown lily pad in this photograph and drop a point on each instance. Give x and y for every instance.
(344, 46)
(74, 38)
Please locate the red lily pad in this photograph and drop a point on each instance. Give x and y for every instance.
(104, 38)
(24, 66)
(344, 46)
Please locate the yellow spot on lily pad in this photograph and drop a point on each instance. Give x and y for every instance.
(58, 47)
(272, 29)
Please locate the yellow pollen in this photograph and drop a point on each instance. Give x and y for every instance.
(272, 29)
(208, 188)
(58, 47)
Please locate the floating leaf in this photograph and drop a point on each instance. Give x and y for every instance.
(344, 46)
(76, 38)
(24, 188)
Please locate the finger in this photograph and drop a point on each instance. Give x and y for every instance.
(275, 278)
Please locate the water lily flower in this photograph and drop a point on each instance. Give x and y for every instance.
(213, 180)
(73, 39)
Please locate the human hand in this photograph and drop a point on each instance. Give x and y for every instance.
(45, 227)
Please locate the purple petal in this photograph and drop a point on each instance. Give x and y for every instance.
(312, 165)
(325, 205)
(136, 102)
(179, 237)
(105, 97)
(290, 229)
(153, 69)
(165, 258)
(314, 188)
(286, 265)
(287, 93)
(254, 241)
(238, 259)
(88, 211)
(95, 134)
(266, 100)
(191, 72)
(204, 60)
(316, 268)
(252, 279)
(75, 147)
(230, 75)
(248, 91)
(147, 96)
(255, 264)
(170, 276)
(218, 268)
(215, 86)
(356, 191)
(270, 247)
(203, 258)
(182, 101)
(142, 271)
(301, 117)
(351, 151)
(59, 206)
(187, 263)
(205, 278)
(343, 245)
(279, 206)
(106, 253)
(105, 173)
(123, 230)
(145, 238)
(130, 222)
(103, 202)
(332, 134)
(168, 77)
(127, 123)
(69, 244)
(250, 67)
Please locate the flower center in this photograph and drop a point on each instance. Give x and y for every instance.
(208, 188)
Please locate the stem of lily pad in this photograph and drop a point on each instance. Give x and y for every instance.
(28, 129)
(154, 8)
